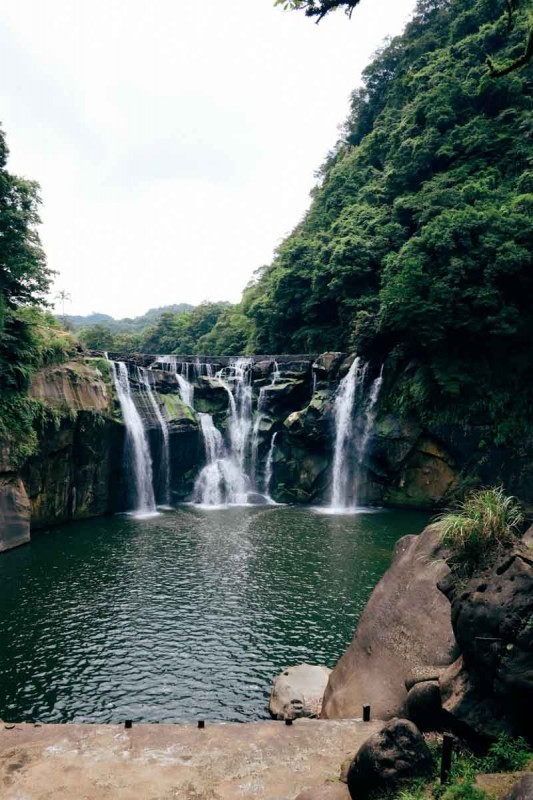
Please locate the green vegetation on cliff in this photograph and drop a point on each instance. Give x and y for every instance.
(484, 523)
(29, 337)
(417, 246)
(416, 250)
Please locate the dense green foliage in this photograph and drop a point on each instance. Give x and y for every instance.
(127, 324)
(187, 332)
(416, 250)
(486, 521)
(29, 337)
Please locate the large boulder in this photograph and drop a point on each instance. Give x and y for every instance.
(405, 629)
(15, 512)
(398, 751)
(298, 692)
(491, 688)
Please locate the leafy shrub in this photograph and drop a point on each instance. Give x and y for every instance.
(506, 754)
(463, 791)
(484, 522)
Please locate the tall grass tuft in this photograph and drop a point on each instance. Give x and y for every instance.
(485, 522)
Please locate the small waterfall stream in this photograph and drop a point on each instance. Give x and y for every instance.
(137, 447)
(354, 415)
(269, 467)
(223, 480)
(260, 413)
(145, 378)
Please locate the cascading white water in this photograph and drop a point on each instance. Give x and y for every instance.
(344, 426)
(240, 421)
(182, 372)
(186, 390)
(361, 442)
(354, 421)
(220, 482)
(137, 446)
(145, 378)
(260, 413)
(269, 467)
(224, 479)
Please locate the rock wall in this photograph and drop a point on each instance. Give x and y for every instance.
(78, 470)
(74, 472)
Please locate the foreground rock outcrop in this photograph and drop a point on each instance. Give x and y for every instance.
(489, 689)
(259, 761)
(404, 635)
(396, 752)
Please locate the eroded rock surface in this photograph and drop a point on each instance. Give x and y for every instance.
(490, 689)
(15, 510)
(252, 761)
(405, 629)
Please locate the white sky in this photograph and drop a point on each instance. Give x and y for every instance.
(174, 140)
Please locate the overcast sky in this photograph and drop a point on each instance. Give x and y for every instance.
(175, 141)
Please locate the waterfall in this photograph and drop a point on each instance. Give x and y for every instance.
(182, 372)
(145, 378)
(261, 403)
(269, 466)
(137, 449)
(369, 418)
(240, 407)
(354, 420)
(186, 390)
(223, 480)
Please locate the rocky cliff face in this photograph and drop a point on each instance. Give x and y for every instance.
(72, 474)
(78, 469)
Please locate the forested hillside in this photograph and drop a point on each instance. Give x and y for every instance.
(126, 324)
(417, 247)
(415, 252)
(29, 336)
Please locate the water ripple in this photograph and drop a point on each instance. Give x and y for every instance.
(186, 615)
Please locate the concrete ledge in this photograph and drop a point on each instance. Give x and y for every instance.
(175, 762)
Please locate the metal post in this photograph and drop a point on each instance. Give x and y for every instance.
(128, 724)
(366, 713)
(201, 724)
(446, 763)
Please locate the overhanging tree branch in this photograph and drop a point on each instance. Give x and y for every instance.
(518, 63)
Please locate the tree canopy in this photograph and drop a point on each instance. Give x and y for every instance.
(416, 249)
(321, 8)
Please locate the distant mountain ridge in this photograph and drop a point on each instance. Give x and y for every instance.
(127, 323)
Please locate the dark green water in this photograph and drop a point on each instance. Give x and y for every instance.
(188, 615)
